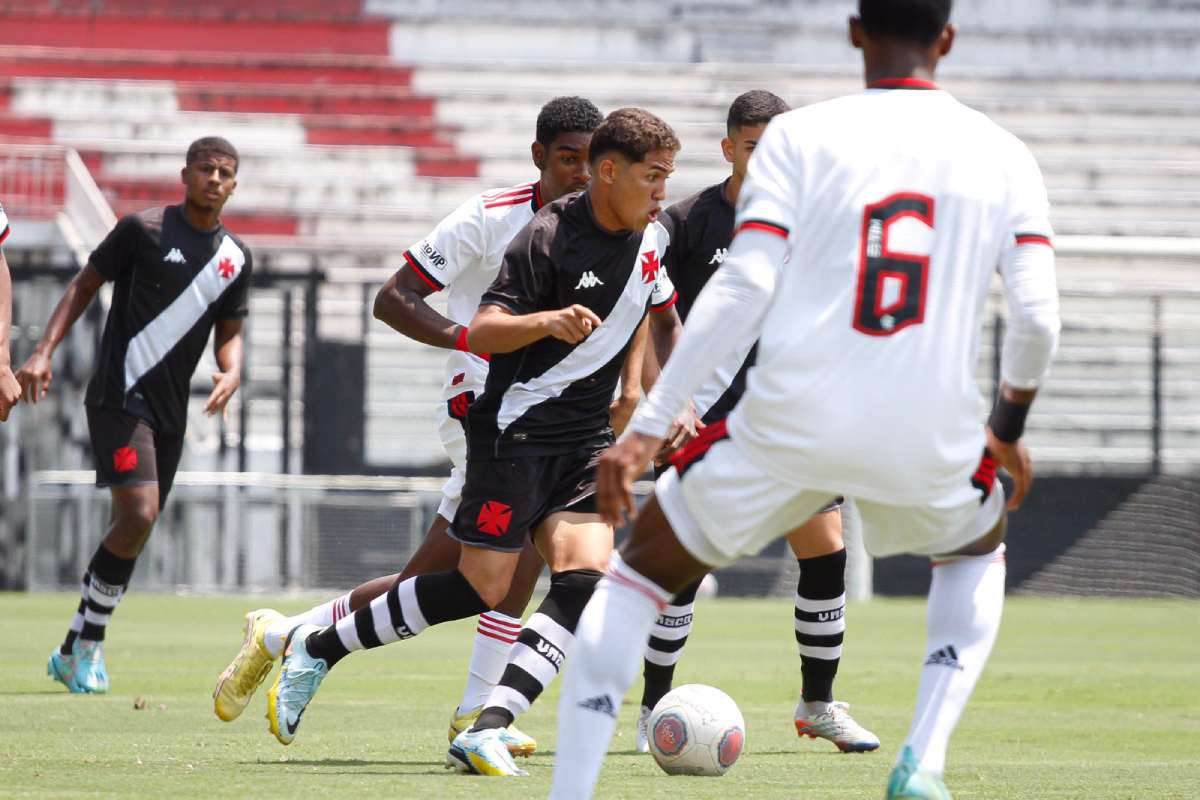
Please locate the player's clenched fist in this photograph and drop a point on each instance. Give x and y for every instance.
(572, 324)
(10, 391)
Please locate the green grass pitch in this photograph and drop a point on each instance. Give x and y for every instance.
(1082, 699)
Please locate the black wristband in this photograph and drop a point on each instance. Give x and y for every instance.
(1008, 420)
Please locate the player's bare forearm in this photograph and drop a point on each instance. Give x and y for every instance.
(229, 345)
(5, 311)
(631, 377)
(10, 389)
(78, 296)
(401, 305)
(1005, 431)
(36, 374)
(666, 327)
(229, 348)
(498, 330)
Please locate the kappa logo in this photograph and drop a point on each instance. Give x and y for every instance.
(719, 256)
(649, 266)
(601, 704)
(946, 657)
(494, 518)
(589, 281)
(175, 257)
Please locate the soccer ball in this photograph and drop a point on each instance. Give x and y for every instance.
(696, 730)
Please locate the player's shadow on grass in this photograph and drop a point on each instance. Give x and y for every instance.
(341, 762)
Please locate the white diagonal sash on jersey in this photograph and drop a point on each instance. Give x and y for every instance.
(154, 341)
(591, 354)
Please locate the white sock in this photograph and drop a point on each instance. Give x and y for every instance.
(324, 615)
(609, 643)
(966, 600)
(494, 639)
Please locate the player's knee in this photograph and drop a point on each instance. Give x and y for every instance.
(492, 595)
(136, 515)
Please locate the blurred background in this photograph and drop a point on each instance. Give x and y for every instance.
(361, 124)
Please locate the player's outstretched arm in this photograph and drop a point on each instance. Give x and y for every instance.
(228, 347)
(401, 305)
(497, 330)
(10, 389)
(35, 375)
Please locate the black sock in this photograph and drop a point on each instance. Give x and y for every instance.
(103, 586)
(667, 638)
(407, 609)
(820, 623)
(538, 653)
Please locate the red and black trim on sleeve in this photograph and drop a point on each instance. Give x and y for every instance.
(1034, 238)
(4, 235)
(423, 273)
(902, 83)
(764, 226)
(666, 304)
(693, 451)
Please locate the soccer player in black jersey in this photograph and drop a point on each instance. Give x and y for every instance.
(10, 390)
(178, 276)
(702, 229)
(571, 295)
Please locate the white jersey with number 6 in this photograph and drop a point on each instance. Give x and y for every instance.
(899, 204)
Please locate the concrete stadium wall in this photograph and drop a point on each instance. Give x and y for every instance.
(1131, 39)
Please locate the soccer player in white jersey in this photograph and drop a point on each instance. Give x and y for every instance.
(869, 229)
(461, 257)
(10, 390)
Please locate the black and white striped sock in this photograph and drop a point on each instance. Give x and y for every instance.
(402, 612)
(538, 654)
(820, 623)
(667, 638)
(100, 591)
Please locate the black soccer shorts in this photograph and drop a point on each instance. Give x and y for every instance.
(504, 500)
(128, 452)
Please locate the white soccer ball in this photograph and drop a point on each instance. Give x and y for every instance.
(696, 730)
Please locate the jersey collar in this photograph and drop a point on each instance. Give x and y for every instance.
(903, 83)
(536, 202)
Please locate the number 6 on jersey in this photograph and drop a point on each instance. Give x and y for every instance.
(891, 286)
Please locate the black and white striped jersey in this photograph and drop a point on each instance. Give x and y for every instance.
(552, 397)
(171, 282)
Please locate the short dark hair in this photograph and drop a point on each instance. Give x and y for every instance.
(634, 133)
(754, 108)
(916, 21)
(567, 115)
(217, 145)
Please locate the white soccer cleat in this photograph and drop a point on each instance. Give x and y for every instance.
(643, 730)
(482, 753)
(836, 725)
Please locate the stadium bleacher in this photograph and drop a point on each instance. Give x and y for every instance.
(356, 140)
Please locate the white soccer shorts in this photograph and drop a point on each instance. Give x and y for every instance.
(723, 507)
(454, 442)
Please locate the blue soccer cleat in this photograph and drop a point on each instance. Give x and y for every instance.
(300, 676)
(909, 782)
(82, 672)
